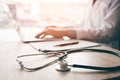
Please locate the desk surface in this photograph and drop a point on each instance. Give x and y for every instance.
(9, 68)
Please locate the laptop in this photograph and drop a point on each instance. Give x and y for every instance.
(27, 34)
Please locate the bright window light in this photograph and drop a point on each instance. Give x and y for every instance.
(54, 12)
(67, 1)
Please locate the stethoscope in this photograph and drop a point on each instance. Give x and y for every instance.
(63, 64)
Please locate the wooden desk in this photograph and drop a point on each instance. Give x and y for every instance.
(9, 68)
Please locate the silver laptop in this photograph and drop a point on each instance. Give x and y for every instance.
(27, 34)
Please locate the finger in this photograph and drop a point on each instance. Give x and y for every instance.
(40, 34)
(50, 27)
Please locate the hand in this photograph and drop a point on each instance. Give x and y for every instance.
(57, 32)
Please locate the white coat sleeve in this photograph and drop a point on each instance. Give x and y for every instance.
(108, 30)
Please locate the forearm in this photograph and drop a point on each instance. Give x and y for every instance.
(101, 35)
(72, 33)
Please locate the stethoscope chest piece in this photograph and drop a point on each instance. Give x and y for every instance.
(62, 67)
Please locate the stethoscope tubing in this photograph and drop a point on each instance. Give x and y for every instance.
(68, 51)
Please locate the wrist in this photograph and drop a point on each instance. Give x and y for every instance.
(72, 33)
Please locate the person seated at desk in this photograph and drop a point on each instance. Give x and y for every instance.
(102, 25)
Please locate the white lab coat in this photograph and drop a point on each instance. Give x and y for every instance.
(102, 23)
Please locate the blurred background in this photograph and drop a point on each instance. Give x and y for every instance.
(43, 12)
